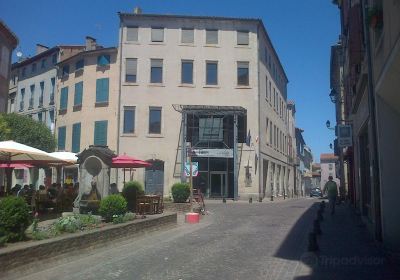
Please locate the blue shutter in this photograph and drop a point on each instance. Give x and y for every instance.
(103, 60)
(100, 133)
(61, 138)
(102, 88)
(76, 137)
(78, 93)
(64, 98)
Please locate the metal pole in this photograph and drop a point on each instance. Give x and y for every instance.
(183, 146)
(191, 181)
(235, 152)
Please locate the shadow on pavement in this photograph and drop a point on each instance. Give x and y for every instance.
(346, 250)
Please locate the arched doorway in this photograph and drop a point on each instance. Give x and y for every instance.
(154, 177)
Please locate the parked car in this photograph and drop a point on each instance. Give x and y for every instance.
(316, 192)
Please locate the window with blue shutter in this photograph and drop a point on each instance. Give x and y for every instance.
(79, 64)
(61, 138)
(100, 133)
(102, 87)
(103, 60)
(78, 94)
(64, 98)
(76, 137)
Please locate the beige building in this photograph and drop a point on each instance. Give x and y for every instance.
(204, 82)
(87, 95)
(8, 42)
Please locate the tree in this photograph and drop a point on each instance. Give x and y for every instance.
(25, 130)
(4, 129)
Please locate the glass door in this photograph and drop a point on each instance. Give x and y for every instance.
(218, 186)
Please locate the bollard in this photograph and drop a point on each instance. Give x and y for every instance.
(272, 198)
(260, 199)
(250, 200)
(312, 242)
(224, 200)
(317, 227)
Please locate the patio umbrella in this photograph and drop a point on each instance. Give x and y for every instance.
(68, 157)
(14, 152)
(124, 161)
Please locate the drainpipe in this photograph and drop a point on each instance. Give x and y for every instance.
(258, 165)
(371, 106)
(121, 33)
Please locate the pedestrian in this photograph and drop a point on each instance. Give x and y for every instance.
(332, 190)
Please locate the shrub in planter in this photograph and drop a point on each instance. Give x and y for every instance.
(14, 218)
(180, 192)
(112, 205)
(130, 192)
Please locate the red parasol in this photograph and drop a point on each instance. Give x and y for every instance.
(15, 165)
(125, 161)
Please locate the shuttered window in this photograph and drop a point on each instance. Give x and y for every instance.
(131, 70)
(157, 34)
(102, 88)
(64, 98)
(243, 37)
(132, 34)
(156, 71)
(79, 64)
(61, 138)
(100, 133)
(78, 94)
(129, 119)
(76, 137)
(103, 60)
(187, 36)
(211, 37)
(243, 73)
(212, 73)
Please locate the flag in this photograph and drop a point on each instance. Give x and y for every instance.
(248, 139)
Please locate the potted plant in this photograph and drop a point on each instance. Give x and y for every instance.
(375, 17)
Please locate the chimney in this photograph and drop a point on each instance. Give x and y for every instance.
(41, 48)
(137, 10)
(90, 43)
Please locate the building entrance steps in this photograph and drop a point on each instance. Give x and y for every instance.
(347, 251)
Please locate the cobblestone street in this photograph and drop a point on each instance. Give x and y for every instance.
(235, 241)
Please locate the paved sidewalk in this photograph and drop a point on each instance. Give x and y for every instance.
(347, 251)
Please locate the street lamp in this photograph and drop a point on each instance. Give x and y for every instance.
(328, 125)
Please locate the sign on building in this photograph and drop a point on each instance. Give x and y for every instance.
(217, 153)
(195, 169)
(345, 138)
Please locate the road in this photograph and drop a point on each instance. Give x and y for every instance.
(236, 240)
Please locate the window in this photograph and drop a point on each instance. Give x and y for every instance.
(330, 166)
(266, 87)
(53, 86)
(103, 60)
(155, 120)
(43, 63)
(100, 133)
(61, 138)
(21, 102)
(32, 87)
(41, 93)
(266, 128)
(270, 134)
(78, 94)
(33, 67)
(76, 138)
(23, 72)
(211, 37)
(212, 73)
(129, 120)
(64, 98)
(243, 73)
(187, 36)
(131, 70)
(157, 34)
(39, 115)
(270, 92)
(156, 71)
(242, 37)
(79, 64)
(274, 136)
(54, 58)
(65, 70)
(132, 33)
(102, 88)
(187, 72)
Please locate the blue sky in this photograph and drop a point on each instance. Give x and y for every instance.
(301, 31)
